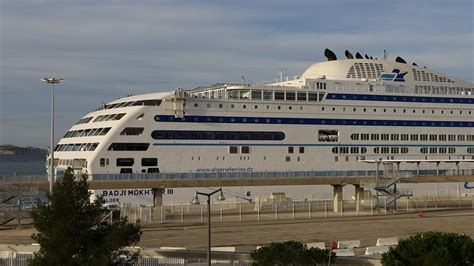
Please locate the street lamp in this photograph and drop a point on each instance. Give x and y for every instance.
(52, 81)
(195, 200)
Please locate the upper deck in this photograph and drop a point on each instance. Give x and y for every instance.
(364, 76)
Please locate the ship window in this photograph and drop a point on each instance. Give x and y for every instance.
(355, 136)
(312, 96)
(217, 135)
(118, 116)
(301, 96)
(290, 96)
(287, 158)
(125, 170)
(301, 149)
(132, 131)
(267, 95)
(149, 161)
(147, 103)
(95, 132)
(128, 147)
(233, 149)
(256, 94)
(104, 131)
(279, 95)
(245, 149)
(125, 161)
(93, 146)
(154, 170)
(290, 149)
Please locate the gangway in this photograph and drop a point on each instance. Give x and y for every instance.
(11, 197)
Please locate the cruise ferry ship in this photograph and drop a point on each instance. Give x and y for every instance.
(323, 122)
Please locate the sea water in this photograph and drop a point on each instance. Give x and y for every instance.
(21, 165)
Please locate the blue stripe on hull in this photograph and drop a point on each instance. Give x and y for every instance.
(312, 121)
(397, 98)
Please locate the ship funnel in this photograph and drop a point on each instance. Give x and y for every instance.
(358, 56)
(371, 58)
(366, 56)
(414, 64)
(349, 55)
(331, 56)
(400, 60)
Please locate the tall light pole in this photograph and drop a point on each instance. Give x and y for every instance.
(195, 200)
(52, 81)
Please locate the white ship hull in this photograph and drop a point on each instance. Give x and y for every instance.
(323, 123)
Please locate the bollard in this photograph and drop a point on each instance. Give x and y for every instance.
(371, 207)
(276, 211)
(293, 210)
(161, 214)
(326, 209)
(240, 212)
(258, 212)
(309, 210)
(342, 208)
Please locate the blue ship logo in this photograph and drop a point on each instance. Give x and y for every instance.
(395, 75)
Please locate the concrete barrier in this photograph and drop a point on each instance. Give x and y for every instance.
(377, 250)
(390, 241)
(348, 244)
(345, 252)
(172, 248)
(224, 249)
(320, 245)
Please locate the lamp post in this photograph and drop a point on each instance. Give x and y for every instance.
(195, 200)
(52, 81)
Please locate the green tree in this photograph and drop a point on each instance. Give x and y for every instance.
(69, 230)
(432, 248)
(290, 253)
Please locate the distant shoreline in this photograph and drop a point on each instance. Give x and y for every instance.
(15, 150)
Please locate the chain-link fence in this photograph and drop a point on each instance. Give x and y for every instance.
(288, 210)
(22, 258)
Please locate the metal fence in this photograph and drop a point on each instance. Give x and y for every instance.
(253, 175)
(283, 174)
(21, 259)
(290, 210)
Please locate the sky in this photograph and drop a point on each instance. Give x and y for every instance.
(107, 49)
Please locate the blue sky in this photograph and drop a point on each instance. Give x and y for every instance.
(107, 49)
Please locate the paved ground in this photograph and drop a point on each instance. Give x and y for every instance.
(366, 229)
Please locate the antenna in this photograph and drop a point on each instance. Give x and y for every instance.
(243, 79)
(281, 73)
(385, 54)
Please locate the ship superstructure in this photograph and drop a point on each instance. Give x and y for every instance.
(326, 120)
